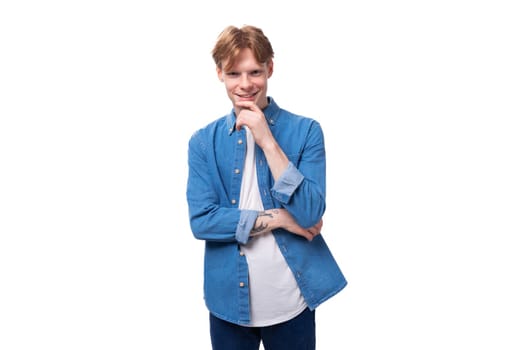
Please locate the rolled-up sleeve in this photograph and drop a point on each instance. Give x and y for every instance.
(287, 183)
(245, 225)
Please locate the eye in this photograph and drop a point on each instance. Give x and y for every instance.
(232, 74)
(256, 72)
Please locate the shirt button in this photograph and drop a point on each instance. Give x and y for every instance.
(239, 141)
(241, 284)
(237, 171)
(234, 201)
(241, 253)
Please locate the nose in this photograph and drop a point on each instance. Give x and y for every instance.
(245, 81)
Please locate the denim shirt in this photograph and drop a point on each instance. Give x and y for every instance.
(216, 156)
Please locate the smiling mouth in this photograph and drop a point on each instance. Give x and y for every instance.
(247, 96)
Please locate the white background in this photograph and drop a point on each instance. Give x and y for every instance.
(422, 104)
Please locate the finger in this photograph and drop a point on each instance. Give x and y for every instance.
(245, 104)
(238, 124)
(240, 120)
(311, 234)
(249, 105)
(316, 228)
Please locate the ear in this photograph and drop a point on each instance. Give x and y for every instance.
(219, 73)
(270, 67)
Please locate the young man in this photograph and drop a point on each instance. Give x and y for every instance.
(256, 196)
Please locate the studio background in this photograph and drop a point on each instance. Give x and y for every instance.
(422, 108)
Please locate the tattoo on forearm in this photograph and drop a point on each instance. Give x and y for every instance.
(259, 229)
(263, 225)
(263, 213)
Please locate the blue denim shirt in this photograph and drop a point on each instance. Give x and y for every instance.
(216, 158)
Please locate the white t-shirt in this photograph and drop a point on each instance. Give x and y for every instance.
(274, 294)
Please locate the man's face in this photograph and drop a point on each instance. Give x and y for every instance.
(247, 79)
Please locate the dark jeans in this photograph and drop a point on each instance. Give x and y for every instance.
(295, 334)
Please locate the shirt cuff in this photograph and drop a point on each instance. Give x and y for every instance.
(287, 183)
(245, 225)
